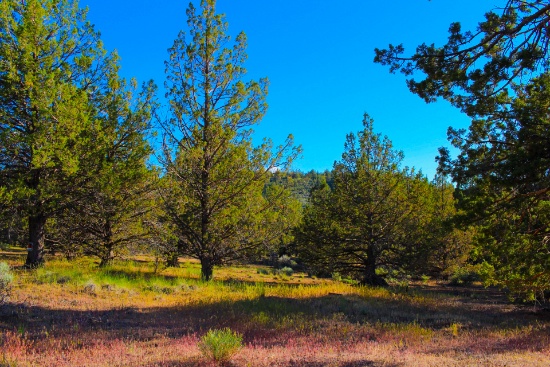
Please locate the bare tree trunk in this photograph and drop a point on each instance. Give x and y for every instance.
(172, 260)
(207, 269)
(35, 257)
(369, 275)
(107, 255)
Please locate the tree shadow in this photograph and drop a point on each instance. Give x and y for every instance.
(261, 318)
(198, 363)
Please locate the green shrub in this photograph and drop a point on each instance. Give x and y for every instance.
(285, 261)
(6, 280)
(287, 271)
(465, 275)
(425, 279)
(262, 271)
(220, 345)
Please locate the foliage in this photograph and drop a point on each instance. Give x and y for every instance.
(286, 271)
(443, 246)
(300, 184)
(220, 345)
(215, 177)
(50, 59)
(500, 77)
(371, 216)
(6, 280)
(116, 194)
(12, 227)
(477, 71)
(262, 271)
(465, 275)
(286, 261)
(504, 184)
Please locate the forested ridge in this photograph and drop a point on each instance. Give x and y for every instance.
(78, 178)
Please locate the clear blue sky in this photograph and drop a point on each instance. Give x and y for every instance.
(318, 57)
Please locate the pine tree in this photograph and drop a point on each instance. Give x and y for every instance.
(114, 193)
(48, 54)
(216, 174)
(371, 215)
(498, 75)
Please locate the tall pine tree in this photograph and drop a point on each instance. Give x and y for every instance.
(214, 197)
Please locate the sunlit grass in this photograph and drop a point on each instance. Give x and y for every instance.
(135, 312)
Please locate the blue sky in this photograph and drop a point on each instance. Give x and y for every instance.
(318, 57)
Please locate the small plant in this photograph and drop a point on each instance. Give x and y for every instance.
(287, 271)
(6, 280)
(454, 328)
(220, 345)
(90, 288)
(465, 275)
(6, 362)
(285, 261)
(262, 271)
(336, 277)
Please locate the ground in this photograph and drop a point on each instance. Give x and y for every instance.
(133, 314)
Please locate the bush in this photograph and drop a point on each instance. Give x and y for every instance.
(220, 345)
(286, 262)
(6, 280)
(90, 288)
(464, 275)
(287, 271)
(262, 271)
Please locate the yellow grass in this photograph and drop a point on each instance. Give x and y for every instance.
(72, 313)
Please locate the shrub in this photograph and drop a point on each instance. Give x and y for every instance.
(90, 288)
(220, 345)
(465, 275)
(6, 280)
(262, 271)
(286, 262)
(287, 271)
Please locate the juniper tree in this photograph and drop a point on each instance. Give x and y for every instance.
(113, 194)
(216, 174)
(498, 75)
(370, 217)
(48, 62)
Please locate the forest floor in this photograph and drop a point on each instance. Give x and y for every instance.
(135, 314)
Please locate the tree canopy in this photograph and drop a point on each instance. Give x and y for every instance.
(499, 76)
(370, 216)
(216, 176)
(478, 71)
(49, 57)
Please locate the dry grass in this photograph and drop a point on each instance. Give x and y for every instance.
(73, 314)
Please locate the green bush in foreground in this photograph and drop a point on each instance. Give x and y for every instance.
(220, 345)
(6, 278)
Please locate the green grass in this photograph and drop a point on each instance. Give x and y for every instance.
(127, 313)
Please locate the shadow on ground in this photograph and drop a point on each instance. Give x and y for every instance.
(268, 321)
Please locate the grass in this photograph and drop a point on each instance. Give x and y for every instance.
(138, 317)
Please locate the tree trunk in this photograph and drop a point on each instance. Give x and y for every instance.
(35, 257)
(207, 269)
(107, 256)
(108, 246)
(369, 275)
(172, 261)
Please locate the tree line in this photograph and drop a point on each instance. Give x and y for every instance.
(76, 142)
